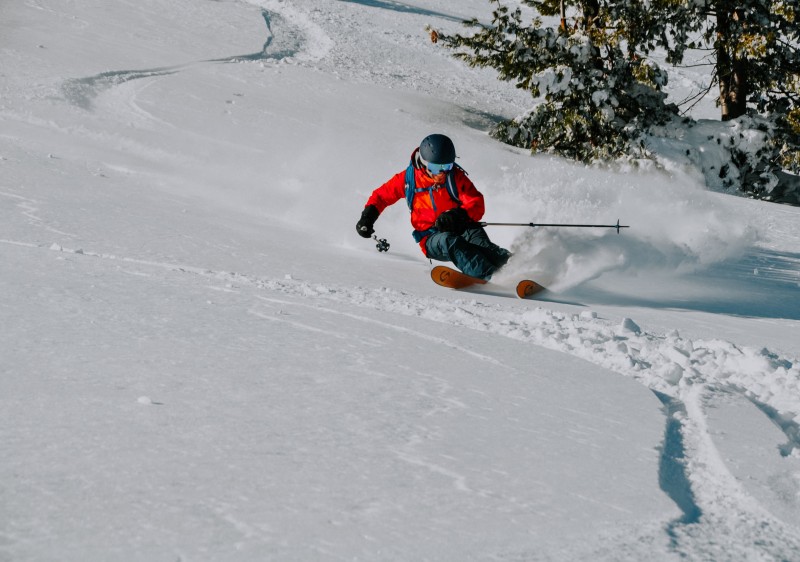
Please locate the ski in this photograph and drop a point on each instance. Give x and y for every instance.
(453, 279)
(528, 288)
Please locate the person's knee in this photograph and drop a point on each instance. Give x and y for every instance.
(441, 246)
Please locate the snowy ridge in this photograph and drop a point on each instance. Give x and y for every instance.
(666, 363)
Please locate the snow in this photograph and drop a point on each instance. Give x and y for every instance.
(201, 360)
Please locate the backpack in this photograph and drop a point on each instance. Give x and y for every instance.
(412, 190)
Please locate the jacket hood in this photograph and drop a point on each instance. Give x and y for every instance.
(414, 160)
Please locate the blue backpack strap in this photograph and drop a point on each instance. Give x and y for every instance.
(450, 183)
(411, 185)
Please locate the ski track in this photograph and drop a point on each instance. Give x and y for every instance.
(298, 40)
(683, 373)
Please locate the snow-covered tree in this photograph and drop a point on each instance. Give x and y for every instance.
(593, 98)
(755, 47)
(597, 94)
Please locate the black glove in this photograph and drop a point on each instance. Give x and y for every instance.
(368, 218)
(454, 220)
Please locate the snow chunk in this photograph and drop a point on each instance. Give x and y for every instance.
(630, 326)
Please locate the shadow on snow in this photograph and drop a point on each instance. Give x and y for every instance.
(403, 8)
(762, 284)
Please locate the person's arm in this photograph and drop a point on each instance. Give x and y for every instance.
(387, 194)
(471, 199)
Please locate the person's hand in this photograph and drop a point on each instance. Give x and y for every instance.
(454, 220)
(364, 226)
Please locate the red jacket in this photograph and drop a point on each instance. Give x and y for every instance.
(426, 207)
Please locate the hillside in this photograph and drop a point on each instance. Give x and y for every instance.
(202, 360)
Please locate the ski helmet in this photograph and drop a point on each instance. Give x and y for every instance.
(437, 149)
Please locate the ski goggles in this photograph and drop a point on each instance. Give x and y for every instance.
(435, 169)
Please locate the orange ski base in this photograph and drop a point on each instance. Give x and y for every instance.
(454, 279)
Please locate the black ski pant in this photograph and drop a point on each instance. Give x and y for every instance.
(472, 252)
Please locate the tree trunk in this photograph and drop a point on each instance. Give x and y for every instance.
(731, 71)
(591, 10)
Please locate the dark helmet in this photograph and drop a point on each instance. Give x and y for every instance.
(437, 149)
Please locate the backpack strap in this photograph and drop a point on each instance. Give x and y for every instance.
(450, 183)
(411, 185)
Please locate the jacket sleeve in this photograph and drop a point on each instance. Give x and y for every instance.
(471, 198)
(389, 193)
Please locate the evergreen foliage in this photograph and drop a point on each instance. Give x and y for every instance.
(597, 95)
(756, 47)
(594, 99)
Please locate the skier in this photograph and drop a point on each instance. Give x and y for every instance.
(445, 209)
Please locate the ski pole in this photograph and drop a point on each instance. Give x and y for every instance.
(382, 244)
(616, 226)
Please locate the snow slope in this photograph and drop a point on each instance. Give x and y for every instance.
(201, 360)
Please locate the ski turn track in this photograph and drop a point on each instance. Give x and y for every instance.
(291, 38)
(721, 520)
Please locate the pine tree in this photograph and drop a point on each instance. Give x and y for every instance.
(756, 64)
(594, 98)
(596, 92)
